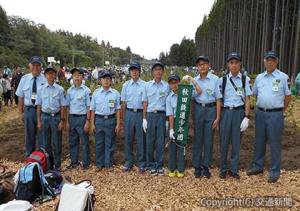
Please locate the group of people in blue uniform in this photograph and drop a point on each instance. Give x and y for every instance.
(222, 103)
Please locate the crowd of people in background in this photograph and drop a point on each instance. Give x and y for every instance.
(10, 79)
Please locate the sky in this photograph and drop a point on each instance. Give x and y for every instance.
(148, 27)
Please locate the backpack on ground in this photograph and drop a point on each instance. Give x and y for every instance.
(31, 184)
(55, 180)
(77, 197)
(40, 156)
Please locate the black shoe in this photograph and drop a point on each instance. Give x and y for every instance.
(85, 167)
(223, 175)
(160, 172)
(252, 171)
(234, 175)
(98, 168)
(153, 172)
(73, 165)
(126, 169)
(273, 179)
(206, 172)
(198, 172)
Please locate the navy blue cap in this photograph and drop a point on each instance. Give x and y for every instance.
(158, 64)
(174, 77)
(104, 74)
(48, 69)
(234, 55)
(79, 70)
(203, 58)
(35, 60)
(271, 54)
(134, 65)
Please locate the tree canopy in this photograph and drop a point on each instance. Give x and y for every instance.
(21, 38)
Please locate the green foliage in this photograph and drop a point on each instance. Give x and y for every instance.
(182, 54)
(21, 38)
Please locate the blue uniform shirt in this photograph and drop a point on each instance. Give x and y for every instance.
(105, 102)
(231, 97)
(271, 89)
(133, 94)
(51, 98)
(171, 104)
(155, 95)
(78, 99)
(25, 87)
(210, 89)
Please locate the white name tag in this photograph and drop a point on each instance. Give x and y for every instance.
(275, 86)
(111, 103)
(209, 91)
(239, 91)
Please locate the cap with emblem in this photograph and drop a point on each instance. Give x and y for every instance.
(234, 55)
(49, 69)
(271, 54)
(79, 70)
(104, 74)
(35, 60)
(203, 58)
(134, 65)
(158, 64)
(174, 77)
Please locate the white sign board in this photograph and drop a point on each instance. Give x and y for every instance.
(106, 62)
(51, 59)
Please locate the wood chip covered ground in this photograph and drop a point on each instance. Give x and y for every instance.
(117, 190)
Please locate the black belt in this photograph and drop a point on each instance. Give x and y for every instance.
(158, 112)
(106, 116)
(78, 115)
(30, 106)
(206, 104)
(270, 110)
(234, 108)
(51, 114)
(134, 110)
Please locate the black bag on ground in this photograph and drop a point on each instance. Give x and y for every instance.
(32, 185)
(55, 180)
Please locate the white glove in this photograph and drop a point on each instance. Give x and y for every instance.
(187, 78)
(244, 124)
(171, 134)
(145, 125)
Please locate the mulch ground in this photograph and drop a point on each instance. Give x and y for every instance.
(116, 190)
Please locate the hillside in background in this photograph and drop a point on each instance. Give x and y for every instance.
(21, 38)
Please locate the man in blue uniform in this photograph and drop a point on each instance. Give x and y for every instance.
(78, 119)
(51, 104)
(105, 120)
(28, 88)
(132, 104)
(235, 89)
(154, 118)
(206, 118)
(273, 97)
